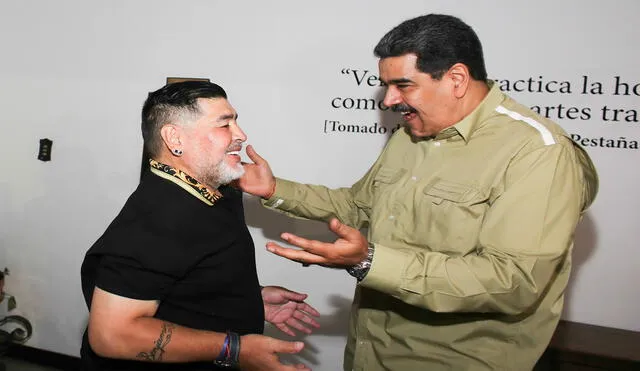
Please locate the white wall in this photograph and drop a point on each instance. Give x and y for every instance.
(77, 72)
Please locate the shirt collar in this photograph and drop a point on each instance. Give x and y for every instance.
(185, 181)
(469, 124)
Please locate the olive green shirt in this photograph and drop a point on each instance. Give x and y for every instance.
(473, 231)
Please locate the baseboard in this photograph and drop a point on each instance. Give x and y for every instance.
(44, 357)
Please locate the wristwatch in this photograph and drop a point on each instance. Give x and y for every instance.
(360, 270)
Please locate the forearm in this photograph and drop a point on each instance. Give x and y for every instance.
(154, 340)
(315, 202)
(489, 282)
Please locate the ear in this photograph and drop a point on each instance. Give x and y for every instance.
(171, 136)
(460, 77)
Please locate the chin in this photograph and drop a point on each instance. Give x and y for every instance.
(227, 174)
(419, 133)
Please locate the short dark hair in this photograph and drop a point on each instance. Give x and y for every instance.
(439, 41)
(174, 103)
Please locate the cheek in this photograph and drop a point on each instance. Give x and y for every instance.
(431, 102)
(217, 145)
(418, 99)
(219, 142)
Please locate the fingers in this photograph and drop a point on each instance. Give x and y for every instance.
(308, 309)
(298, 326)
(297, 240)
(291, 347)
(314, 247)
(347, 250)
(304, 317)
(294, 296)
(300, 321)
(299, 366)
(254, 156)
(294, 254)
(293, 322)
(284, 293)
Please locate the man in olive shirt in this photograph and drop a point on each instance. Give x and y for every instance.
(471, 212)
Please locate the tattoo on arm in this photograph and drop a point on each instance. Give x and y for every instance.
(156, 353)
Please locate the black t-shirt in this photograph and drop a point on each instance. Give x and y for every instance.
(197, 260)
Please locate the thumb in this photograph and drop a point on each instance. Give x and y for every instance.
(295, 296)
(339, 228)
(292, 347)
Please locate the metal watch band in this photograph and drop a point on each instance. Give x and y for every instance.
(360, 270)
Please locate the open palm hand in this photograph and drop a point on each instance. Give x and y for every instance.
(286, 309)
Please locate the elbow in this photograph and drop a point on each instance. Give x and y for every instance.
(520, 302)
(103, 342)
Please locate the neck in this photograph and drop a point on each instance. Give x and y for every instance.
(179, 163)
(184, 180)
(472, 98)
(476, 93)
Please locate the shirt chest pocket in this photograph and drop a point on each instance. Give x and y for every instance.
(387, 175)
(385, 179)
(457, 193)
(454, 213)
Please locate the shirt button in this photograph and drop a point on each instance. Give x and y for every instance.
(391, 217)
(414, 178)
(437, 144)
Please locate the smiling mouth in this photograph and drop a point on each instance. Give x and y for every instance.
(405, 110)
(408, 115)
(234, 151)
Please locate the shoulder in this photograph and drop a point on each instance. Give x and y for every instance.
(520, 124)
(399, 140)
(156, 223)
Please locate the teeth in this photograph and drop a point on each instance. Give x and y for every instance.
(233, 152)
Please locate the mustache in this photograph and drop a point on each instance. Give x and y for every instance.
(234, 147)
(401, 107)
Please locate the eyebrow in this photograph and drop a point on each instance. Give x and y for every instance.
(228, 117)
(399, 81)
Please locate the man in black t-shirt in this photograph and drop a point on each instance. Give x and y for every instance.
(172, 282)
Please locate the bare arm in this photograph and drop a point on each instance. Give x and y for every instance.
(124, 328)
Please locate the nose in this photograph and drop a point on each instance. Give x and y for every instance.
(237, 133)
(392, 96)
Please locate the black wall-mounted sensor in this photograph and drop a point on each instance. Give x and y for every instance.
(44, 154)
